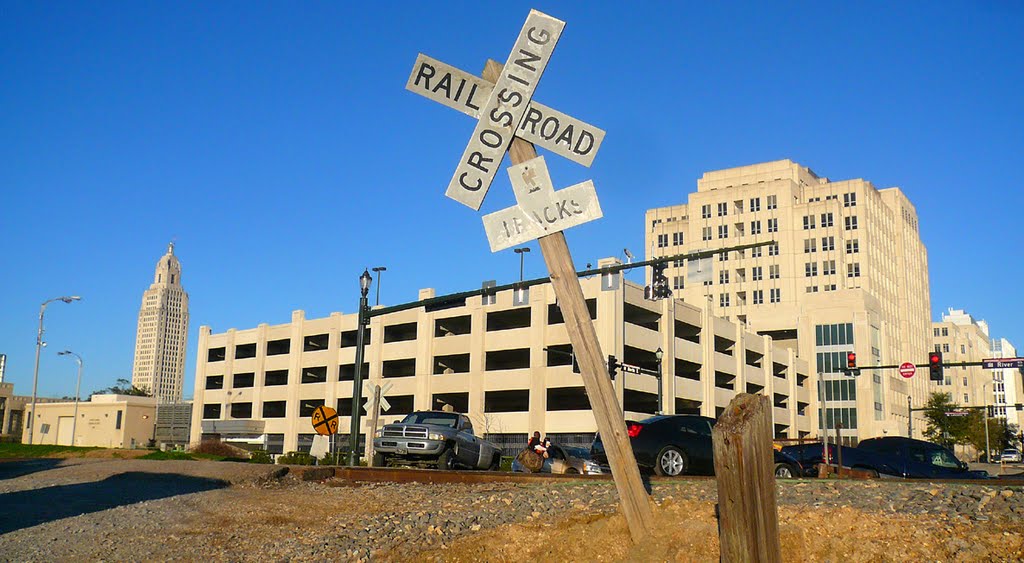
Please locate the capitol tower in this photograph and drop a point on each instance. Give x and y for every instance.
(162, 332)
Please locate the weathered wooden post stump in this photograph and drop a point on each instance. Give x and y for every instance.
(748, 525)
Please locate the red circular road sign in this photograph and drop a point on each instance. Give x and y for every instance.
(907, 370)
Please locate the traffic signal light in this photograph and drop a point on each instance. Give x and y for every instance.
(659, 283)
(851, 360)
(613, 366)
(935, 366)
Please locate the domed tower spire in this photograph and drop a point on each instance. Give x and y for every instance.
(168, 269)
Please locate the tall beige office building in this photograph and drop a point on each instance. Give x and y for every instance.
(961, 338)
(162, 332)
(847, 272)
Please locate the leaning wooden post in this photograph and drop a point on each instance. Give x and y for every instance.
(748, 527)
(635, 503)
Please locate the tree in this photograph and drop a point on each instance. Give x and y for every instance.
(974, 434)
(942, 428)
(124, 387)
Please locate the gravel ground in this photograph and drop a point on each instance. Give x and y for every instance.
(143, 510)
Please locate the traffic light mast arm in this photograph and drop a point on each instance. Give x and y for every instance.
(539, 281)
(944, 364)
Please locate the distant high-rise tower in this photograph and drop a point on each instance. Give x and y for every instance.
(162, 333)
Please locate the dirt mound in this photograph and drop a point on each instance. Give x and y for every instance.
(688, 531)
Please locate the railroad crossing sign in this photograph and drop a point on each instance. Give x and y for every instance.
(907, 370)
(559, 133)
(500, 118)
(1003, 363)
(371, 392)
(540, 210)
(325, 420)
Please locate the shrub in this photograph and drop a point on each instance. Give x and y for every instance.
(260, 456)
(218, 448)
(296, 458)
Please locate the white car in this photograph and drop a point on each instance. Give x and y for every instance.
(1010, 455)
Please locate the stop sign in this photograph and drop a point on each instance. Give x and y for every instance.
(907, 370)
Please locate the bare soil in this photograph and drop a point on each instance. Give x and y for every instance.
(688, 531)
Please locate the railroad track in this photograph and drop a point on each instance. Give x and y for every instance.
(354, 475)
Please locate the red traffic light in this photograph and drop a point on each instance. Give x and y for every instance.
(934, 358)
(851, 360)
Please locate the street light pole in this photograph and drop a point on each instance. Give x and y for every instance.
(78, 386)
(39, 346)
(357, 382)
(659, 354)
(988, 448)
(378, 271)
(521, 252)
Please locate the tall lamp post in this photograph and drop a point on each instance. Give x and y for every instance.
(988, 448)
(78, 386)
(357, 382)
(658, 355)
(39, 346)
(378, 271)
(522, 254)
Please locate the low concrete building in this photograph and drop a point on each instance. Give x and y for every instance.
(12, 411)
(504, 361)
(107, 421)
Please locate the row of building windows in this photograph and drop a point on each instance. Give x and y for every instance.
(514, 400)
(772, 202)
(508, 319)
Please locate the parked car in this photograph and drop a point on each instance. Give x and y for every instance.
(891, 456)
(434, 438)
(1010, 455)
(564, 460)
(681, 444)
(917, 459)
(787, 466)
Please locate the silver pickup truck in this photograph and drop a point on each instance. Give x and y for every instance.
(434, 438)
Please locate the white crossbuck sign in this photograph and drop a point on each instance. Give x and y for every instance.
(540, 210)
(504, 110)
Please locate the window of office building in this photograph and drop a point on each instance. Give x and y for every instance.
(773, 225)
(755, 227)
(215, 354)
(773, 249)
(705, 233)
(723, 277)
(758, 297)
(826, 220)
(723, 209)
(775, 295)
(677, 282)
(241, 410)
(945, 331)
(307, 406)
(852, 246)
(755, 273)
(755, 204)
(723, 231)
(458, 401)
(773, 272)
(812, 289)
(723, 256)
(316, 374)
(945, 347)
(853, 270)
(808, 222)
(755, 252)
(705, 211)
(828, 243)
(677, 239)
(243, 380)
(516, 400)
(850, 200)
(834, 335)
(274, 409)
(211, 411)
(662, 241)
(772, 202)
(810, 245)
(243, 351)
(810, 269)
(276, 377)
(316, 342)
(215, 382)
(723, 300)
(828, 267)
(850, 223)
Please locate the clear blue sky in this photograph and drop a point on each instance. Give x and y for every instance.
(276, 143)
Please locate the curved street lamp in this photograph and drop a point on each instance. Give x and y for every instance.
(378, 271)
(78, 386)
(39, 346)
(522, 254)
